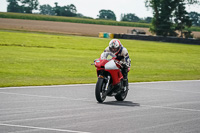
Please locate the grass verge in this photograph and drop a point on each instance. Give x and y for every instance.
(43, 59)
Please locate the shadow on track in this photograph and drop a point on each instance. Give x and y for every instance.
(121, 103)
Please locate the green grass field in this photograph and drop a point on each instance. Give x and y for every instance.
(44, 59)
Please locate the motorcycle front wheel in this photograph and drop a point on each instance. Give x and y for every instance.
(100, 92)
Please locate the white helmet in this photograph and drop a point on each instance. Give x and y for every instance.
(114, 46)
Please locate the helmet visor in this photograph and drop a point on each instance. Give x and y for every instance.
(113, 50)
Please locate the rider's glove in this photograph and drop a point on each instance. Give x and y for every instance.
(123, 64)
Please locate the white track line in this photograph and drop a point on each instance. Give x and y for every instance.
(42, 128)
(50, 86)
(172, 108)
(151, 106)
(72, 85)
(50, 117)
(166, 82)
(194, 92)
(77, 99)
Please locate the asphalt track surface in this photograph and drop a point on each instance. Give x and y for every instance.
(154, 107)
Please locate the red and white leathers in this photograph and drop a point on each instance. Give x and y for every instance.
(122, 55)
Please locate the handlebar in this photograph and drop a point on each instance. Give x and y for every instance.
(94, 62)
(119, 63)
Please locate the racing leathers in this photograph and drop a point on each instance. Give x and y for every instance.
(123, 56)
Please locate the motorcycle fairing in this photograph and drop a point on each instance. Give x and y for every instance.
(116, 76)
(111, 65)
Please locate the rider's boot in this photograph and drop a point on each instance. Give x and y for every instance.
(125, 83)
(125, 80)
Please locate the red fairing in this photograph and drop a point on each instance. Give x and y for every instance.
(115, 73)
(99, 63)
(116, 76)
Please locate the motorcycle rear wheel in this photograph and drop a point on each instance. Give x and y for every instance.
(100, 92)
(121, 96)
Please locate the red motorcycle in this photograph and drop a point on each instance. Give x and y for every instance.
(110, 78)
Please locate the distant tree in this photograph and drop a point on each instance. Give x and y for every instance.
(29, 5)
(130, 17)
(148, 19)
(69, 10)
(163, 15)
(79, 15)
(106, 14)
(13, 6)
(57, 9)
(46, 10)
(195, 17)
(82, 16)
(182, 20)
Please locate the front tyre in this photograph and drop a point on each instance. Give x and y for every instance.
(100, 92)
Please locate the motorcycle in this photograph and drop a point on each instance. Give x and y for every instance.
(110, 78)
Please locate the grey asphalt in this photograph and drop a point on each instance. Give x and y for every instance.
(154, 107)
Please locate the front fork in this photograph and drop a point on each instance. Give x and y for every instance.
(107, 84)
(107, 79)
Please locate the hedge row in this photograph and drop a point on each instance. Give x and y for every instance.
(157, 38)
(77, 20)
(70, 19)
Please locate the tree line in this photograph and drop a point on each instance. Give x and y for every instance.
(27, 6)
(169, 16)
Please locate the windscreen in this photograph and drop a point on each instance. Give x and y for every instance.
(107, 55)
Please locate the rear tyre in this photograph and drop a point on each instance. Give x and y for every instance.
(122, 95)
(100, 92)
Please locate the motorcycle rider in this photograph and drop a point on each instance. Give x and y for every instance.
(122, 55)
